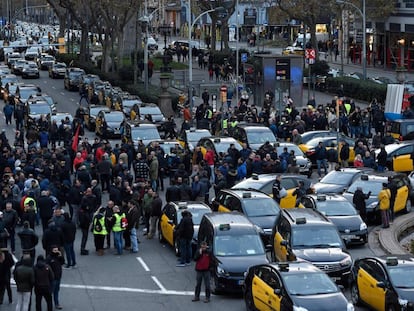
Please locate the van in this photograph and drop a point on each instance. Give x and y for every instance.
(235, 245)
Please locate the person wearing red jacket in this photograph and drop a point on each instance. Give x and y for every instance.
(209, 158)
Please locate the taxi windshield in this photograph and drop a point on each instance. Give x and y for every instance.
(259, 207)
(114, 117)
(223, 146)
(304, 284)
(196, 215)
(337, 178)
(336, 208)
(402, 276)
(145, 134)
(240, 245)
(312, 237)
(375, 186)
(261, 136)
(196, 136)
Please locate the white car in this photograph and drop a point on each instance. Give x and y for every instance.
(152, 44)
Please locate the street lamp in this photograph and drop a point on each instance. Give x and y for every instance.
(364, 33)
(190, 50)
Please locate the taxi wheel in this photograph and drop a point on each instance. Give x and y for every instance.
(408, 206)
(356, 300)
(248, 299)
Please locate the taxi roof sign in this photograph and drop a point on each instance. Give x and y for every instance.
(392, 261)
(224, 227)
(247, 195)
(321, 197)
(217, 140)
(182, 205)
(255, 176)
(300, 220)
(364, 177)
(284, 266)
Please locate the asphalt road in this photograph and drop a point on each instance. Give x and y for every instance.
(148, 280)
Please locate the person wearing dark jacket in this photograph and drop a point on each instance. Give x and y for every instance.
(344, 154)
(55, 260)
(69, 233)
(173, 194)
(382, 159)
(84, 223)
(43, 283)
(6, 263)
(45, 205)
(10, 218)
(28, 240)
(185, 232)
(24, 278)
(133, 213)
(359, 202)
(156, 212)
(202, 258)
(74, 199)
(53, 236)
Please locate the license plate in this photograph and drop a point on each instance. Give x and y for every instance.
(349, 236)
(240, 282)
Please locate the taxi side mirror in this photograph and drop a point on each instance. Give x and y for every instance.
(381, 285)
(284, 243)
(171, 222)
(277, 291)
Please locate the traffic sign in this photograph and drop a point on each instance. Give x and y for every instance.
(244, 57)
(310, 54)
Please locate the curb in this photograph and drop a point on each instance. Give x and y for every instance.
(388, 238)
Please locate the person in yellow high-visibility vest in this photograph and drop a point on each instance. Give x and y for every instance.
(118, 229)
(99, 230)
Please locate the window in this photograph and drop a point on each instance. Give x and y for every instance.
(269, 277)
(284, 229)
(374, 269)
(288, 183)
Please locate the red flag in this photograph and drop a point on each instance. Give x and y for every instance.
(76, 140)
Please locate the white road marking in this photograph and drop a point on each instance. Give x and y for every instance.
(162, 288)
(143, 264)
(126, 289)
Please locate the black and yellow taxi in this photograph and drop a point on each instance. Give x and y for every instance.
(383, 283)
(306, 234)
(401, 129)
(254, 135)
(109, 124)
(91, 113)
(342, 213)
(328, 142)
(292, 286)
(264, 183)
(171, 217)
(136, 130)
(258, 207)
(220, 145)
(373, 183)
(400, 157)
(71, 78)
(190, 138)
(235, 245)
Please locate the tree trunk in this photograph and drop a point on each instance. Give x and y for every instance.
(213, 34)
(225, 34)
(83, 44)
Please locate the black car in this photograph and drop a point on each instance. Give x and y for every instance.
(72, 77)
(236, 245)
(383, 283)
(342, 213)
(373, 183)
(303, 233)
(292, 286)
(338, 181)
(258, 207)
